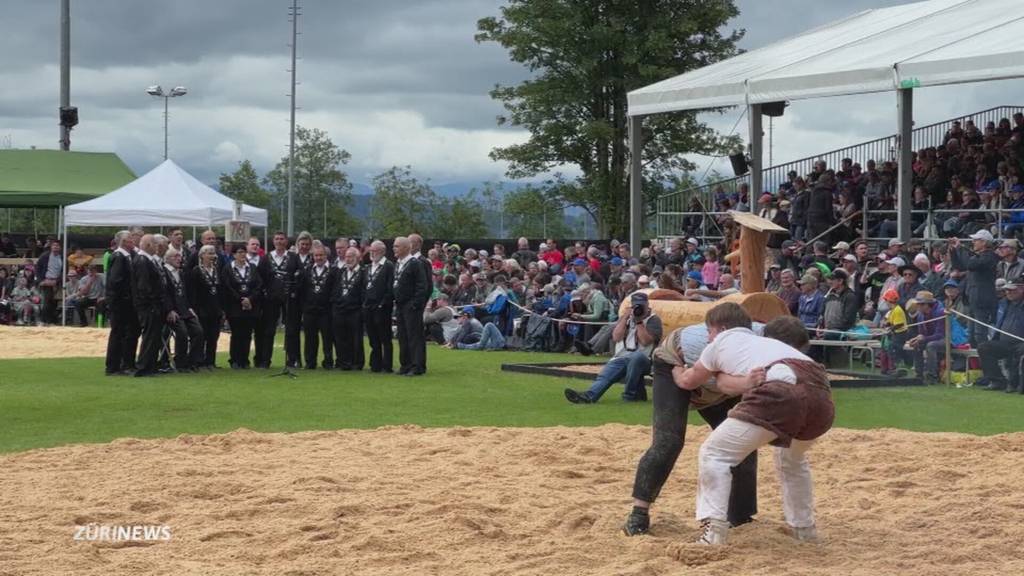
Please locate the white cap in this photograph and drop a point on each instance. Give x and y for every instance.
(643, 279)
(850, 258)
(895, 242)
(543, 246)
(897, 262)
(692, 241)
(982, 235)
(841, 246)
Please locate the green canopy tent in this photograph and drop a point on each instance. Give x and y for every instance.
(55, 178)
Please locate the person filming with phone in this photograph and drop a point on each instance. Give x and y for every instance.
(635, 335)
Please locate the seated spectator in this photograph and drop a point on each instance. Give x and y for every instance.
(930, 341)
(78, 258)
(90, 293)
(635, 336)
(26, 303)
(911, 284)
(788, 291)
(726, 286)
(840, 313)
(896, 321)
(1003, 347)
(439, 319)
(811, 303)
(470, 329)
(1010, 266)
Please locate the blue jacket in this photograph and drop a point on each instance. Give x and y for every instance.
(1012, 321)
(810, 308)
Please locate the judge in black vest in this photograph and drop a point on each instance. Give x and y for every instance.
(299, 263)
(378, 302)
(347, 311)
(124, 323)
(411, 291)
(188, 334)
(204, 294)
(265, 329)
(147, 296)
(277, 294)
(242, 295)
(416, 245)
(315, 298)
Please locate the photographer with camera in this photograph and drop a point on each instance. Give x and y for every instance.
(635, 336)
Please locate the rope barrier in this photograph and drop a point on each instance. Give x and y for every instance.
(989, 326)
(529, 312)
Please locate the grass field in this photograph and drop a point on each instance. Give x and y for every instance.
(47, 403)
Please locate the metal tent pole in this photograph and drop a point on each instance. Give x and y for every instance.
(634, 127)
(905, 107)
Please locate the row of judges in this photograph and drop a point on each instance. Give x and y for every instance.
(159, 294)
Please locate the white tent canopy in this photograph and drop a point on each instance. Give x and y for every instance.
(165, 196)
(909, 46)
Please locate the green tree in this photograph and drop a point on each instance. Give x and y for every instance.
(244, 184)
(401, 204)
(586, 55)
(460, 218)
(321, 189)
(535, 212)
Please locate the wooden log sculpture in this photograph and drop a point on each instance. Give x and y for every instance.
(761, 306)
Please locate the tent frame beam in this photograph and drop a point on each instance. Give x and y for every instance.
(905, 179)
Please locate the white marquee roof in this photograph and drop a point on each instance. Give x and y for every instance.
(164, 196)
(927, 43)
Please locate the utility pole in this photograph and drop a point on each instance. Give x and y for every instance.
(65, 73)
(291, 137)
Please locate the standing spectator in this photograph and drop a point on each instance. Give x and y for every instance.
(524, 255)
(981, 268)
(931, 280)
(48, 275)
(1010, 265)
(7, 247)
(820, 215)
(1003, 347)
(798, 212)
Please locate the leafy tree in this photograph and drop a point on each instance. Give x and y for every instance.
(244, 184)
(402, 205)
(534, 212)
(586, 55)
(321, 189)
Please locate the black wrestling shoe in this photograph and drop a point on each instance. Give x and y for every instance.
(577, 398)
(636, 524)
(741, 521)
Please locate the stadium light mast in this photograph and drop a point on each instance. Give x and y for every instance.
(294, 14)
(67, 114)
(174, 93)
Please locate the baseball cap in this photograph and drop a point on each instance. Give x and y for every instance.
(982, 235)
(895, 242)
(543, 246)
(579, 262)
(1010, 243)
(692, 241)
(850, 258)
(695, 275)
(954, 284)
(807, 279)
(638, 298)
(788, 244)
(841, 246)
(468, 311)
(897, 262)
(891, 295)
(616, 261)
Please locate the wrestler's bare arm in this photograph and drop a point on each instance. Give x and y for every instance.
(737, 384)
(691, 378)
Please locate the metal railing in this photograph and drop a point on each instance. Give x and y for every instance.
(673, 207)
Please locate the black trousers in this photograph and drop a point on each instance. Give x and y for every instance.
(211, 334)
(188, 343)
(242, 328)
(378, 331)
(292, 330)
(348, 339)
(266, 331)
(992, 351)
(316, 327)
(151, 322)
(123, 338)
(82, 304)
(671, 408)
(411, 339)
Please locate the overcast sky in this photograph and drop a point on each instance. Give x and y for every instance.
(393, 82)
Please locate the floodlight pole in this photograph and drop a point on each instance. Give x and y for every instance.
(167, 98)
(65, 70)
(291, 136)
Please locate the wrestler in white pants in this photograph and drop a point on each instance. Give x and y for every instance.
(727, 446)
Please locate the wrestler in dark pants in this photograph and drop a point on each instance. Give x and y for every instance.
(671, 408)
